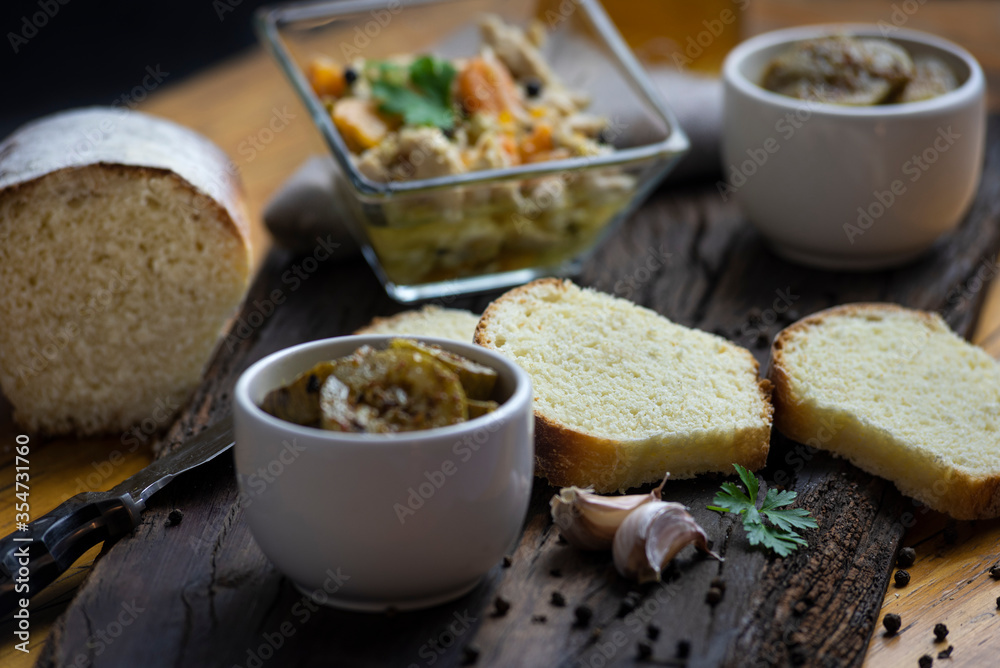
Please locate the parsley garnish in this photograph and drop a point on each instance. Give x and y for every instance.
(780, 534)
(421, 94)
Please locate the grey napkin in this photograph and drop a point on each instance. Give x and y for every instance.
(306, 206)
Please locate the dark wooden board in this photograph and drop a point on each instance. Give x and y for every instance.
(202, 594)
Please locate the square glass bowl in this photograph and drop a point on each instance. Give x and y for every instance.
(488, 229)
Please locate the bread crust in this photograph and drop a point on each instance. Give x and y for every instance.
(565, 456)
(379, 322)
(966, 496)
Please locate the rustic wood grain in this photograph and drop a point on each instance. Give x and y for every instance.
(209, 597)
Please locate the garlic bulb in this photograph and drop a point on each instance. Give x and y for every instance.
(651, 536)
(588, 520)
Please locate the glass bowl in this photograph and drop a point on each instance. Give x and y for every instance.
(489, 229)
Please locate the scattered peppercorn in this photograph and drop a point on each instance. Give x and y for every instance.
(558, 600)
(998, 602)
(718, 583)
(539, 619)
(533, 88)
(174, 518)
(470, 654)
(926, 661)
(995, 572)
(555, 572)
(583, 615)
(645, 650)
(940, 632)
(946, 653)
(902, 578)
(350, 75)
(713, 596)
(683, 649)
(892, 622)
(312, 385)
(500, 606)
(629, 603)
(762, 340)
(906, 557)
(507, 561)
(652, 631)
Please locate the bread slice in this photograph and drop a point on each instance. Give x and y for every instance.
(448, 323)
(622, 394)
(124, 250)
(900, 395)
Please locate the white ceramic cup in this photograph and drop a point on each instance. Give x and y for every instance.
(372, 521)
(844, 187)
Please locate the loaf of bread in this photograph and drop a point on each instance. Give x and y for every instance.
(623, 395)
(123, 253)
(900, 395)
(448, 323)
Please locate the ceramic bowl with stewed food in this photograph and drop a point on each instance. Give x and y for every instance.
(852, 147)
(374, 479)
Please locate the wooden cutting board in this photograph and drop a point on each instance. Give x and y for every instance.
(202, 593)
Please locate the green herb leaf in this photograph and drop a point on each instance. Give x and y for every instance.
(779, 535)
(421, 94)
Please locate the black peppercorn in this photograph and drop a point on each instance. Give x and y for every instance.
(312, 385)
(998, 602)
(532, 88)
(583, 615)
(645, 650)
(350, 75)
(683, 649)
(652, 631)
(940, 632)
(926, 661)
(719, 584)
(561, 540)
(902, 578)
(555, 572)
(470, 654)
(500, 606)
(995, 572)
(892, 622)
(629, 603)
(713, 596)
(539, 619)
(762, 340)
(174, 518)
(507, 561)
(906, 557)
(946, 653)
(558, 600)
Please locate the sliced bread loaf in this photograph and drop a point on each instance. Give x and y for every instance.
(448, 323)
(124, 250)
(622, 394)
(900, 395)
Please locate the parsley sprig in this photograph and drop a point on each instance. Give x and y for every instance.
(778, 534)
(420, 93)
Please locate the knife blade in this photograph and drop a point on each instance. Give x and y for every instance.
(35, 556)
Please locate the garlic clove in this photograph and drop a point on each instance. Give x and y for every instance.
(651, 536)
(588, 520)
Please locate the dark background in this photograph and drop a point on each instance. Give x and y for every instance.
(90, 52)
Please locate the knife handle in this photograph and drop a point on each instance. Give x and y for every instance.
(34, 558)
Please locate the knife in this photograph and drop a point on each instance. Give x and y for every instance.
(32, 558)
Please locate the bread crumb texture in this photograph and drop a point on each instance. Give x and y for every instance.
(900, 395)
(116, 282)
(622, 394)
(431, 320)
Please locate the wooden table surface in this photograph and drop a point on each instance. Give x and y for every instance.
(232, 104)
